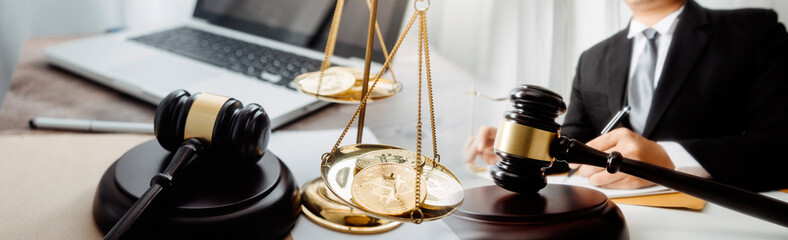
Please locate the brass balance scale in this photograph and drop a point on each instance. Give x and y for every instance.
(373, 188)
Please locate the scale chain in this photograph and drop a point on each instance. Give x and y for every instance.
(419, 158)
(416, 215)
(419, 167)
(374, 83)
(332, 39)
(382, 42)
(435, 155)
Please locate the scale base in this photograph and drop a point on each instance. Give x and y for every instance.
(326, 209)
(555, 212)
(209, 200)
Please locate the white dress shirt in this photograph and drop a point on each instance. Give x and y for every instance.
(683, 161)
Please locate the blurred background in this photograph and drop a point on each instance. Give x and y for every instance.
(500, 42)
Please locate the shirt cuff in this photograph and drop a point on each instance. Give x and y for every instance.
(683, 161)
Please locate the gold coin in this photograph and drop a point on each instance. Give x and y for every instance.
(358, 74)
(398, 156)
(384, 88)
(387, 189)
(335, 81)
(442, 190)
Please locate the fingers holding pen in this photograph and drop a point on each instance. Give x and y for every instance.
(601, 143)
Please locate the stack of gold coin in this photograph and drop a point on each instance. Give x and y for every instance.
(442, 189)
(344, 85)
(334, 82)
(387, 189)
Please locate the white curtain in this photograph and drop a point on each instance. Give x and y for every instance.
(509, 42)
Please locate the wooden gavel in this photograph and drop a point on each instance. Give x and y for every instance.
(192, 126)
(527, 142)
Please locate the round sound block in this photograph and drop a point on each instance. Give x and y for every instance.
(556, 212)
(212, 198)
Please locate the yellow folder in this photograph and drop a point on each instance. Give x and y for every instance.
(667, 200)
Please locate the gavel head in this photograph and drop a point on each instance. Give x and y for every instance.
(223, 125)
(524, 137)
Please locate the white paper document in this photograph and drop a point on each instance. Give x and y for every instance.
(583, 182)
(611, 193)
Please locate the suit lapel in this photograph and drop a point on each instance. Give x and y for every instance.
(689, 41)
(618, 59)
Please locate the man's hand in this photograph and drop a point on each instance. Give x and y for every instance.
(630, 145)
(481, 146)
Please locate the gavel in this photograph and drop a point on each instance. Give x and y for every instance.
(191, 126)
(528, 142)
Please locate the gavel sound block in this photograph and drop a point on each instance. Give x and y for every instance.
(523, 205)
(211, 201)
(209, 175)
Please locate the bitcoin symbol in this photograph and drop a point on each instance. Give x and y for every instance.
(386, 189)
(381, 188)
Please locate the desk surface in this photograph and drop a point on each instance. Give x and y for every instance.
(40, 90)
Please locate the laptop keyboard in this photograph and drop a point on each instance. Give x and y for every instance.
(267, 64)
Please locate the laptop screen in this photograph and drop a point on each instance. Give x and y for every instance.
(306, 23)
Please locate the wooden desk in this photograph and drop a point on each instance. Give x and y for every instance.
(40, 90)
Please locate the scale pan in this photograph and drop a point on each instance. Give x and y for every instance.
(338, 173)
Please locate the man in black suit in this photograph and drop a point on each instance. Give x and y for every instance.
(709, 91)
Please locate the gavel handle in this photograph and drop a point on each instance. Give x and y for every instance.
(130, 223)
(734, 198)
(139, 213)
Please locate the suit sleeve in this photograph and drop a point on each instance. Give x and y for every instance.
(755, 159)
(577, 124)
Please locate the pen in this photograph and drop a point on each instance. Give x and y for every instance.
(612, 123)
(90, 125)
(615, 120)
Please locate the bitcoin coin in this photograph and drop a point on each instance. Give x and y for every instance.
(387, 189)
(398, 156)
(335, 81)
(442, 190)
(384, 88)
(358, 74)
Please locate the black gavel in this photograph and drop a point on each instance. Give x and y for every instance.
(191, 126)
(527, 142)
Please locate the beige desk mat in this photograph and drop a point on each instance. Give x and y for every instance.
(47, 182)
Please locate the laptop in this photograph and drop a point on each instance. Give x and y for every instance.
(246, 49)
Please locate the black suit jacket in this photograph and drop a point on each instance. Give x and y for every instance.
(723, 93)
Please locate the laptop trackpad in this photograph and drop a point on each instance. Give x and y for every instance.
(162, 73)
